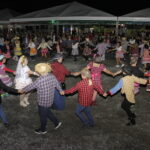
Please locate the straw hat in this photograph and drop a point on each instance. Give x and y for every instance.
(42, 68)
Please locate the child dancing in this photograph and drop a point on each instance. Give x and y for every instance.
(85, 89)
(126, 84)
(45, 86)
(23, 79)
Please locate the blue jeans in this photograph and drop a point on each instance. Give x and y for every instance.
(2, 115)
(87, 117)
(44, 113)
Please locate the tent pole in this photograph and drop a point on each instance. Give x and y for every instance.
(117, 23)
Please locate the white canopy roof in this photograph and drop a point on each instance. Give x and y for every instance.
(137, 16)
(6, 14)
(68, 11)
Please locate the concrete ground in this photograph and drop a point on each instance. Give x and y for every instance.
(109, 133)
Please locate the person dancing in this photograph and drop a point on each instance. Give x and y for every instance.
(22, 79)
(126, 84)
(85, 89)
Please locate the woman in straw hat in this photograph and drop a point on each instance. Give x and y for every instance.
(45, 86)
(85, 89)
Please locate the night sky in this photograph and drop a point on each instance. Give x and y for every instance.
(114, 7)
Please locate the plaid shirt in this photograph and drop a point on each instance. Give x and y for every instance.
(45, 86)
(85, 91)
(60, 71)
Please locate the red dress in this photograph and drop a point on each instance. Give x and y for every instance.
(96, 73)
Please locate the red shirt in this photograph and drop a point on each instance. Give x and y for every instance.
(5, 68)
(85, 91)
(60, 71)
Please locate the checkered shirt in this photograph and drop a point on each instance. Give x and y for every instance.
(45, 86)
(85, 91)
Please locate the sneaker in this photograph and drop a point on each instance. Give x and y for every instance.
(59, 124)
(117, 66)
(39, 131)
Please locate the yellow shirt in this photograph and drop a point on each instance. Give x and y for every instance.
(128, 86)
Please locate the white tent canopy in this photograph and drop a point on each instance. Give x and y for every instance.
(6, 14)
(137, 16)
(68, 11)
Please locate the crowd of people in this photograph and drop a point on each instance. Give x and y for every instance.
(50, 82)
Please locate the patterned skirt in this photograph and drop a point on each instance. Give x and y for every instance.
(33, 51)
(44, 51)
(18, 52)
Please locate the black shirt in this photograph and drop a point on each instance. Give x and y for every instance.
(7, 89)
(136, 71)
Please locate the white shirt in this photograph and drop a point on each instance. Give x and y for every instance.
(44, 45)
(31, 45)
(119, 48)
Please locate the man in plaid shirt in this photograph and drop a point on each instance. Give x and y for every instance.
(85, 89)
(45, 86)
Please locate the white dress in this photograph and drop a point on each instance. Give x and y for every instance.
(22, 78)
(75, 50)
